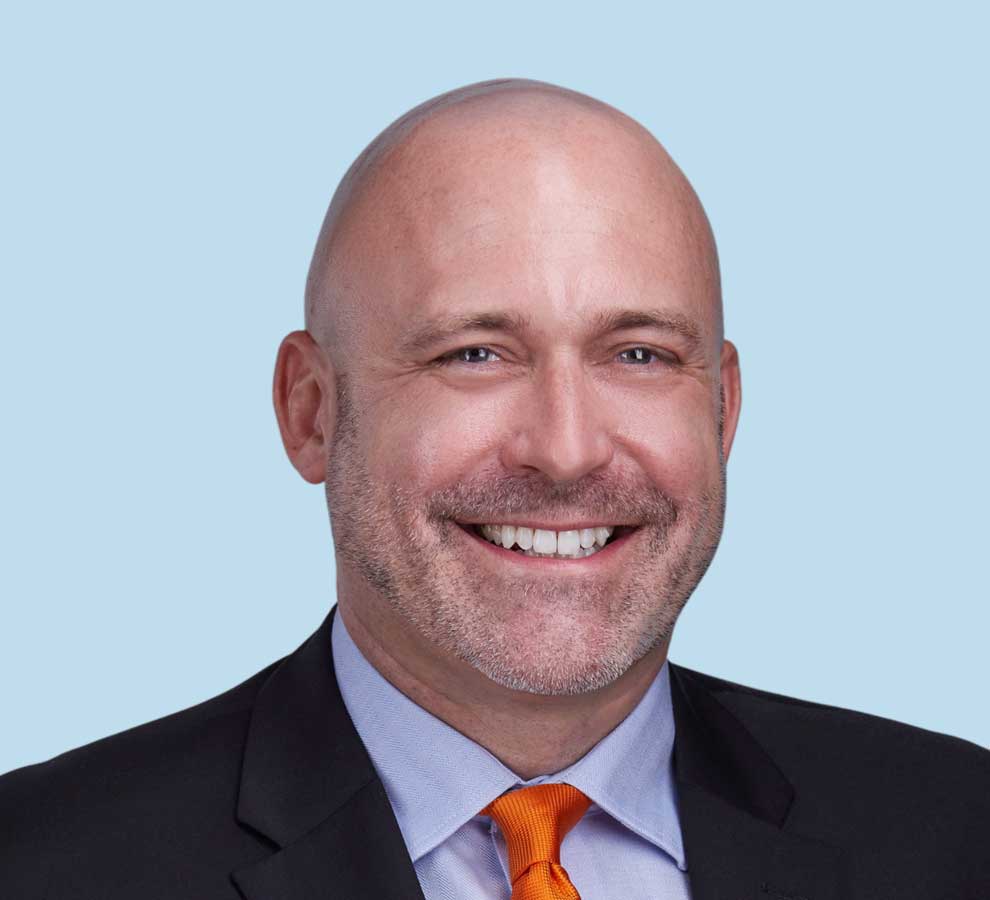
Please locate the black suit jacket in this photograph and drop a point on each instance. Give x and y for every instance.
(266, 793)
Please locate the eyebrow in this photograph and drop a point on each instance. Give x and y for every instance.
(627, 319)
(442, 329)
(437, 331)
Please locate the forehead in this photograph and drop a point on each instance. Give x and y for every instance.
(559, 218)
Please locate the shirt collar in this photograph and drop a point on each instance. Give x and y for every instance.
(437, 778)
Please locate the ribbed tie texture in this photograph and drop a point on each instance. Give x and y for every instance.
(534, 821)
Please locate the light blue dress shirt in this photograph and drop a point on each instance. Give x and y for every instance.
(626, 847)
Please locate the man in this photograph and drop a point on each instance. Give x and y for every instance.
(514, 383)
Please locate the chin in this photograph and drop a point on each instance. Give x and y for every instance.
(552, 676)
(552, 654)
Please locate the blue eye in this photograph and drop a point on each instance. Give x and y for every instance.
(471, 355)
(640, 355)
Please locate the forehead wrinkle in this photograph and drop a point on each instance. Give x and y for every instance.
(667, 245)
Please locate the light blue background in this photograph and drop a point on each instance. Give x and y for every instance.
(166, 168)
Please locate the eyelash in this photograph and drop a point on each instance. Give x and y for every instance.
(451, 357)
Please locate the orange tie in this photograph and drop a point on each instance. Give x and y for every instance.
(534, 821)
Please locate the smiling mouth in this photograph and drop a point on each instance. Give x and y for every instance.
(570, 544)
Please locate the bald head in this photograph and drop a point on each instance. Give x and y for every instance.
(508, 156)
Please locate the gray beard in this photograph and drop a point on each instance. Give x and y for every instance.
(406, 550)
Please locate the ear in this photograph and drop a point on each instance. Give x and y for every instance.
(731, 394)
(305, 403)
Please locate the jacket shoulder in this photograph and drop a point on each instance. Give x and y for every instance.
(779, 721)
(871, 784)
(153, 785)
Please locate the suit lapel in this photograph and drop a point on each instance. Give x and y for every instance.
(308, 786)
(356, 853)
(734, 803)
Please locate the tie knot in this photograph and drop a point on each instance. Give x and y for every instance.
(534, 821)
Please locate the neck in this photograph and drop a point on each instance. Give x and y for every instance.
(530, 734)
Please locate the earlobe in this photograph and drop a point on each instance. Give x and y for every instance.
(304, 399)
(731, 387)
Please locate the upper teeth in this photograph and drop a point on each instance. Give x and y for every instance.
(539, 541)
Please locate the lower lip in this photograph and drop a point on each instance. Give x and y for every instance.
(579, 563)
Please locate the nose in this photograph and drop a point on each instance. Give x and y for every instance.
(561, 427)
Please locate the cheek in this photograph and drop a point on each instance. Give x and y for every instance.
(674, 441)
(421, 444)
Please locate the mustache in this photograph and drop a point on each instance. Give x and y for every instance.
(597, 496)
